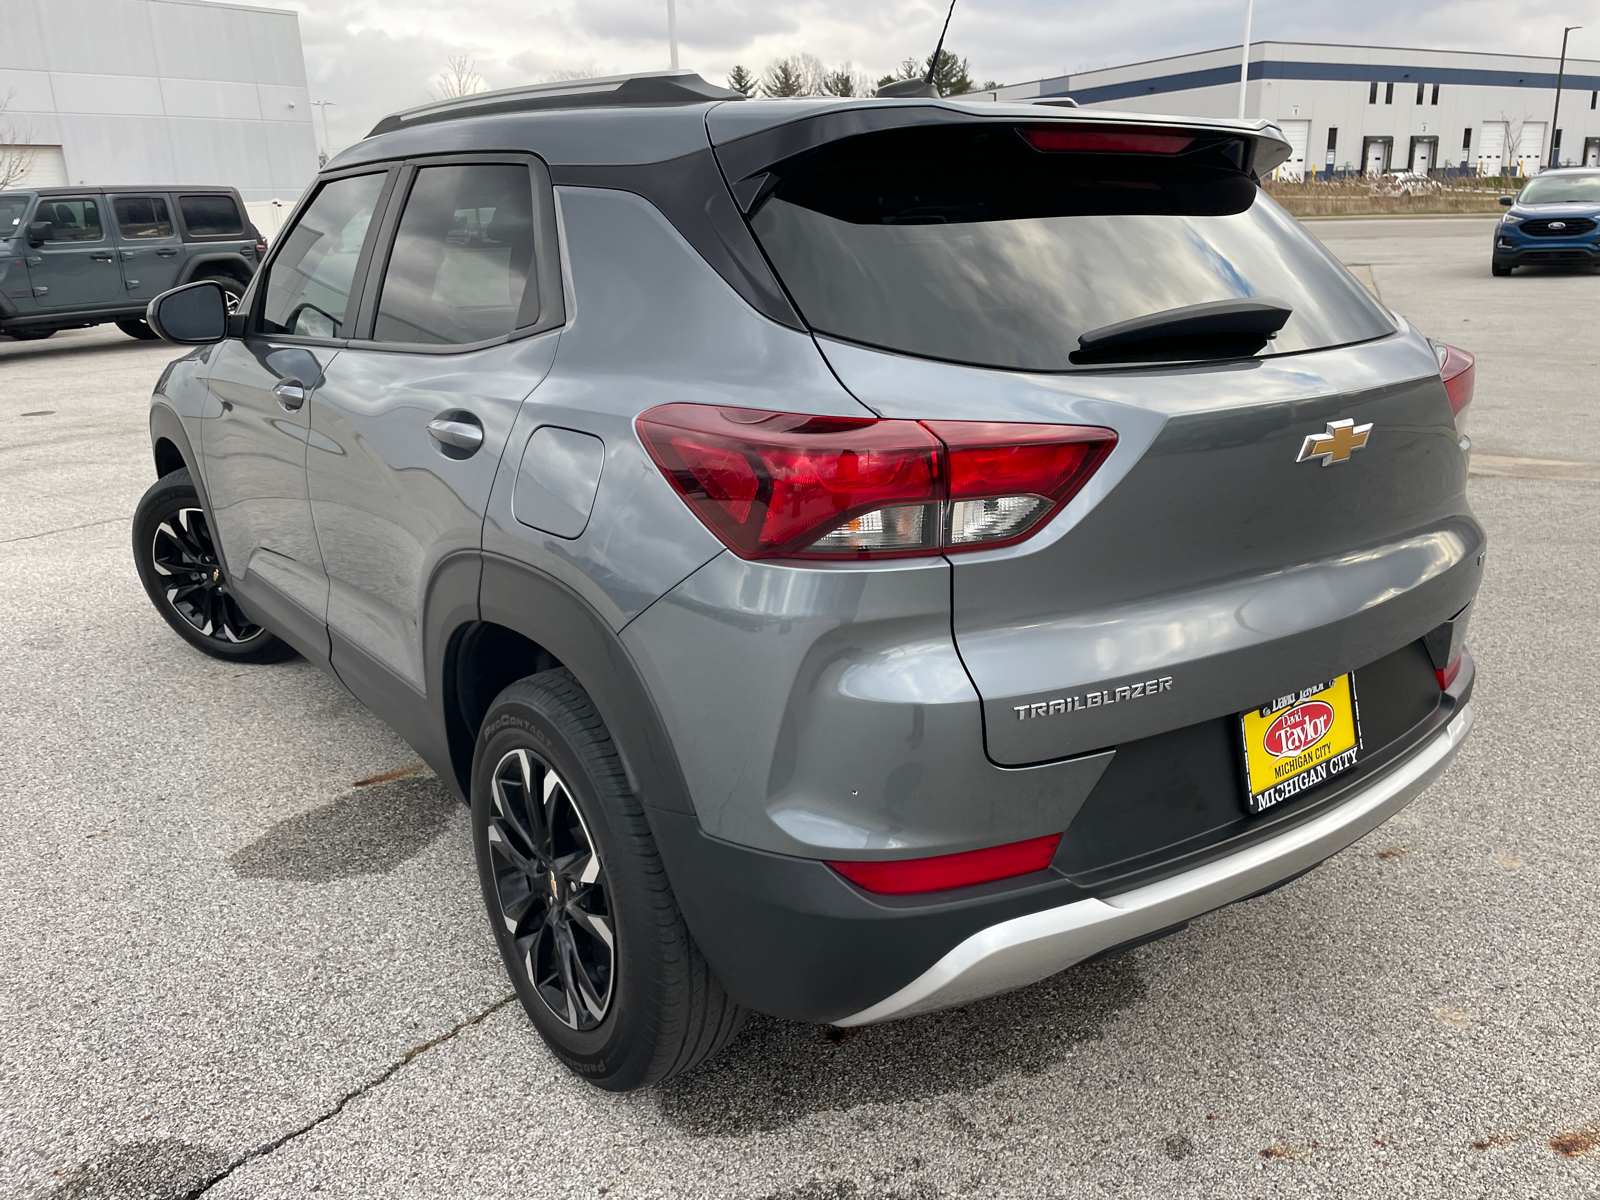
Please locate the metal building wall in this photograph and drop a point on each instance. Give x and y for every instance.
(163, 91)
(1514, 92)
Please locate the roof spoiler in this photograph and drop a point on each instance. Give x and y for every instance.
(647, 89)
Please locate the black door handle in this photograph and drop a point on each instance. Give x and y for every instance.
(101, 256)
(166, 252)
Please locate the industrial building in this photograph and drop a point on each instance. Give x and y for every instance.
(1368, 109)
(159, 92)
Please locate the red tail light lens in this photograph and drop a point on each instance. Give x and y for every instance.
(1103, 139)
(1448, 675)
(771, 484)
(911, 876)
(1459, 371)
(783, 485)
(1005, 479)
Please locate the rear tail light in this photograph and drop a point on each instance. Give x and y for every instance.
(782, 485)
(1107, 139)
(1447, 676)
(1458, 370)
(910, 876)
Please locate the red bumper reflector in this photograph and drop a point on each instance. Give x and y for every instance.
(1448, 675)
(1107, 139)
(909, 876)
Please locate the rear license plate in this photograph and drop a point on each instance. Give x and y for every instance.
(1299, 742)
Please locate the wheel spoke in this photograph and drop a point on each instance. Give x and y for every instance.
(599, 926)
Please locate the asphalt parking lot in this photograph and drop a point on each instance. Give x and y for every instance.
(244, 953)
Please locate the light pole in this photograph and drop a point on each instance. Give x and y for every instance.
(1555, 132)
(326, 143)
(672, 31)
(1244, 65)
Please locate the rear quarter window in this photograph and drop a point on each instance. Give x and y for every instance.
(968, 244)
(211, 216)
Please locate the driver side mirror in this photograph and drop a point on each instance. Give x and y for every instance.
(40, 232)
(1507, 201)
(195, 314)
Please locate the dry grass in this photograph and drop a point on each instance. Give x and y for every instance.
(1353, 197)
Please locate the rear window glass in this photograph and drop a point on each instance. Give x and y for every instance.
(461, 256)
(11, 210)
(142, 217)
(968, 244)
(211, 216)
(1562, 189)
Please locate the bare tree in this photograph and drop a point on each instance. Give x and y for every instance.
(16, 155)
(795, 75)
(459, 78)
(567, 73)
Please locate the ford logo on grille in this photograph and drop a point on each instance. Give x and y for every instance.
(1558, 224)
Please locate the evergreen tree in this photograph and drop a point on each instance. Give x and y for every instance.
(949, 77)
(845, 80)
(783, 78)
(740, 80)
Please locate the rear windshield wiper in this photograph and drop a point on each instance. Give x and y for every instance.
(1218, 329)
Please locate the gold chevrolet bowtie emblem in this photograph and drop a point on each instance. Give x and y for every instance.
(1342, 439)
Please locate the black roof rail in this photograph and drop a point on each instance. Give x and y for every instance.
(650, 88)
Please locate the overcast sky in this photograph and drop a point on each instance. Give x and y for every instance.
(371, 57)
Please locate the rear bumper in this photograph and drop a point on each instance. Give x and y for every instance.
(789, 936)
(1026, 949)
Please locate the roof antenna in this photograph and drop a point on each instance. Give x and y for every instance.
(920, 88)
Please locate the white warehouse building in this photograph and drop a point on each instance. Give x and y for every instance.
(1368, 108)
(158, 92)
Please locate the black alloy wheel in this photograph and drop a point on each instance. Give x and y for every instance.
(183, 575)
(577, 896)
(182, 554)
(551, 889)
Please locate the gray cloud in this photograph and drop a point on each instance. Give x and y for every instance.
(371, 58)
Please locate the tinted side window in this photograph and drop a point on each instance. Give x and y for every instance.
(462, 256)
(211, 216)
(309, 284)
(71, 220)
(142, 217)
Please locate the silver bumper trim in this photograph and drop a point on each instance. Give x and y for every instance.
(1030, 948)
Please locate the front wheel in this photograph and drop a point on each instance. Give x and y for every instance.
(577, 897)
(1499, 269)
(182, 574)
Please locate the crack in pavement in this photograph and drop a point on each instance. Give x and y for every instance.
(28, 537)
(379, 1081)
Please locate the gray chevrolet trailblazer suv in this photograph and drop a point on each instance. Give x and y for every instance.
(77, 256)
(854, 556)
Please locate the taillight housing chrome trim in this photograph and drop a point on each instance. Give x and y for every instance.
(789, 485)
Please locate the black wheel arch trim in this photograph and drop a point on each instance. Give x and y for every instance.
(237, 266)
(166, 427)
(555, 617)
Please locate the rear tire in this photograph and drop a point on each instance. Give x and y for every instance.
(138, 329)
(577, 897)
(29, 335)
(182, 574)
(232, 290)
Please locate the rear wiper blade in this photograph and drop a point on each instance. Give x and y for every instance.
(1218, 329)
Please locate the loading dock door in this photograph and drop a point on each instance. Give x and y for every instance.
(1375, 155)
(1530, 148)
(1298, 135)
(1424, 154)
(1492, 148)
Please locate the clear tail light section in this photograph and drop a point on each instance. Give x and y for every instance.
(1458, 369)
(784, 485)
(913, 876)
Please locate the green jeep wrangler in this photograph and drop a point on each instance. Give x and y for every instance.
(72, 257)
